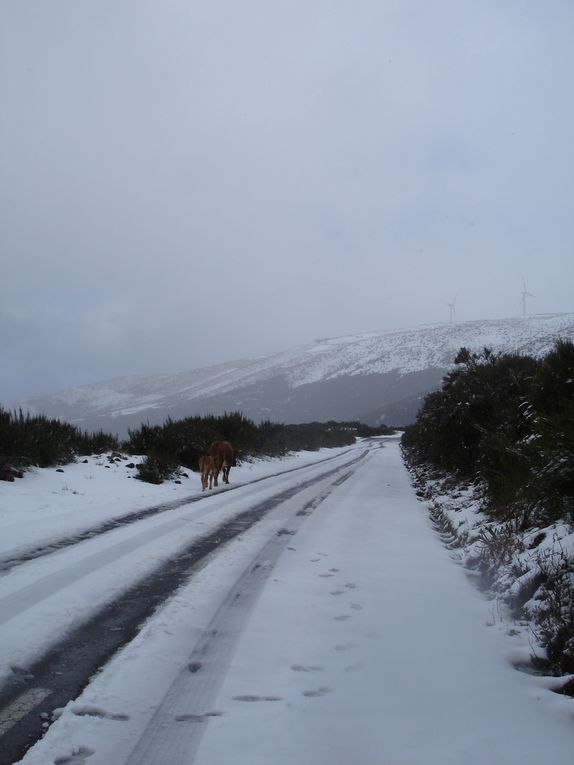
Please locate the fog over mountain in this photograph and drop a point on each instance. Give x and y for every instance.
(373, 377)
(186, 183)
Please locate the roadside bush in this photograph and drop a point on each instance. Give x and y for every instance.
(508, 421)
(554, 612)
(505, 424)
(550, 412)
(182, 442)
(315, 435)
(157, 468)
(27, 440)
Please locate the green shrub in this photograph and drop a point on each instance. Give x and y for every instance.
(555, 610)
(508, 421)
(157, 468)
(27, 440)
(182, 442)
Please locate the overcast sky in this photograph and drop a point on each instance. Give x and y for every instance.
(192, 181)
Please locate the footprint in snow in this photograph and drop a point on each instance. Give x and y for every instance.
(344, 646)
(306, 668)
(351, 586)
(322, 691)
(251, 697)
(337, 592)
(202, 717)
(356, 606)
(90, 711)
(78, 756)
(342, 617)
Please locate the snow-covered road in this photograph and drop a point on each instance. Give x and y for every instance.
(67, 611)
(335, 629)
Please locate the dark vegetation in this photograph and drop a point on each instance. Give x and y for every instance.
(27, 441)
(182, 442)
(504, 423)
(508, 421)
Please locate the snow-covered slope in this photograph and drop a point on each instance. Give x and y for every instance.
(358, 376)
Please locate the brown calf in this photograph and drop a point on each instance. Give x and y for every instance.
(208, 474)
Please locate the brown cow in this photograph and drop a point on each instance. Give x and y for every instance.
(224, 457)
(208, 474)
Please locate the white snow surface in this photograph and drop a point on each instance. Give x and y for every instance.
(403, 351)
(361, 641)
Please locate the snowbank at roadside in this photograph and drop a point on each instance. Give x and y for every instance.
(528, 573)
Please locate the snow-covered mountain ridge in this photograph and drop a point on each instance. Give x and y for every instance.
(269, 385)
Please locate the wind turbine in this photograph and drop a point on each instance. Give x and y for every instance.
(525, 294)
(451, 309)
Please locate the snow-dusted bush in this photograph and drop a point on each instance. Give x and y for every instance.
(27, 440)
(507, 421)
(553, 605)
(157, 468)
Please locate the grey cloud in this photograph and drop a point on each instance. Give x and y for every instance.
(196, 182)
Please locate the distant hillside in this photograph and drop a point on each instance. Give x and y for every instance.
(374, 377)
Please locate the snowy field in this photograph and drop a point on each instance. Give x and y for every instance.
(338, 629)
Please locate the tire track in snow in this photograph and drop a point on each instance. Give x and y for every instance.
(24, 598)
(186, 706)
(39, 551)
(66, 668)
